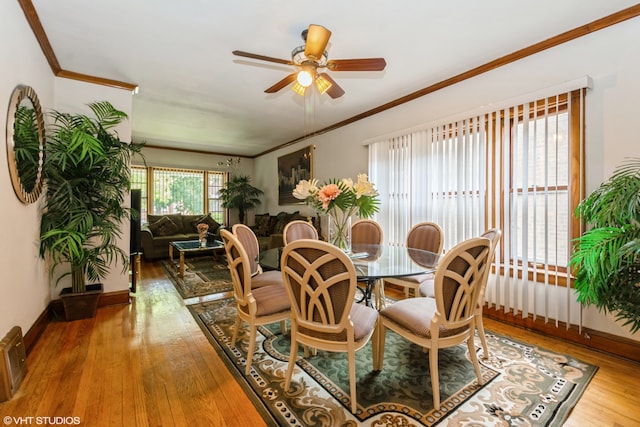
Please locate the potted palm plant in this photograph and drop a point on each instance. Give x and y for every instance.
(87, 173)
(238, 193)
(606, 258)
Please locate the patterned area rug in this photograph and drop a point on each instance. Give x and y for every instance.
(524, 384)
(202, 276)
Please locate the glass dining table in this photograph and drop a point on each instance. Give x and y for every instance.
(373, 263)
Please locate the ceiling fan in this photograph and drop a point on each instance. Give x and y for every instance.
(310, 58)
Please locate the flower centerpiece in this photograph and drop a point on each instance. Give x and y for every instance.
(340, 200)
(202, 233)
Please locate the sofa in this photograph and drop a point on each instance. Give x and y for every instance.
(268, 228)
(160, 230)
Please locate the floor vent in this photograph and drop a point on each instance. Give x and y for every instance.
(14, 363)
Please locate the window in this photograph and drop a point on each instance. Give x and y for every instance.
(517, 169)
(540, 183)
(177, 191)
(139, 181)
(180, 191)
(216, 181)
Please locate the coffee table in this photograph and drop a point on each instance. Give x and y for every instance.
(191, 246)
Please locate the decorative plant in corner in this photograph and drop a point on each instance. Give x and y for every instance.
(607, 256)
(87, 173)
(238, 193)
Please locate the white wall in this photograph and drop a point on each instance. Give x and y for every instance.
(609, 56)
(25, 287)
(190, 160)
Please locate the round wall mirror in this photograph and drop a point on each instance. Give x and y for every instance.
(25, 143)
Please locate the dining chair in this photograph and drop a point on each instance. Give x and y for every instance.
(427, 288)
(427, 236)
(249, 242)
(298, 229)
(364, 233)
(256, 306)
(320, 280)
(446, 320)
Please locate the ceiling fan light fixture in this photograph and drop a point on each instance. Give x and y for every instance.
(304, 78)
(322, 84)
(298, 88)
(310, 59)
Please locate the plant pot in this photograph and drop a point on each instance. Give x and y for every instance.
(81, 305)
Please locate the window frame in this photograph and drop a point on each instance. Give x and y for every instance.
(556, 105)
(147, 198)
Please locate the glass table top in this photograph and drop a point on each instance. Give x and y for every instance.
(194, 245)
(373, 261)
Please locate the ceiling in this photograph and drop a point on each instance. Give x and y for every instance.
(195, 94)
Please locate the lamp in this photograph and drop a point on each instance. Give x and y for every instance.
(298, 88)
(304, 78)
(322, 84)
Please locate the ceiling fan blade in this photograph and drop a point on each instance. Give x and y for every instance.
(262, 57)
(317, 40)
(362, 64)
(334, 91)
(282, 83)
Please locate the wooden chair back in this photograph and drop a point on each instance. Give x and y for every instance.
(321, 282)
(239, 267)
(457, 285)
(427, 236)
(249, 241)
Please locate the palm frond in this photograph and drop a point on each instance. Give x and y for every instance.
(606, 257)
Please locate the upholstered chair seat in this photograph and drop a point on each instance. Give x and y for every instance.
(265, 278)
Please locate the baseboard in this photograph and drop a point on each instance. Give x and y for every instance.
(595, 340)
(34, 332)
(55, 311)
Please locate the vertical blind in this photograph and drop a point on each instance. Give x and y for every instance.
(518, 168)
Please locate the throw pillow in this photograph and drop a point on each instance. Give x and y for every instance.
(152, 219)
(262, 224)
(206, 219)
(163, 227)
(176, 218)
(189, 223)
(283, 219)
(273, 220)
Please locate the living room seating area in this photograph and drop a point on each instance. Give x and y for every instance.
(160, 230)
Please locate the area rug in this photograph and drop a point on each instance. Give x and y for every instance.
(202, 276)
(524, 385)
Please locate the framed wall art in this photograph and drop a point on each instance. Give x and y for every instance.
(292, 168)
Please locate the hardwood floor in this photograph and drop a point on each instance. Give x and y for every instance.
(148, 364)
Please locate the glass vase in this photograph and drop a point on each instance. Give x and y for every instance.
(339, 230)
